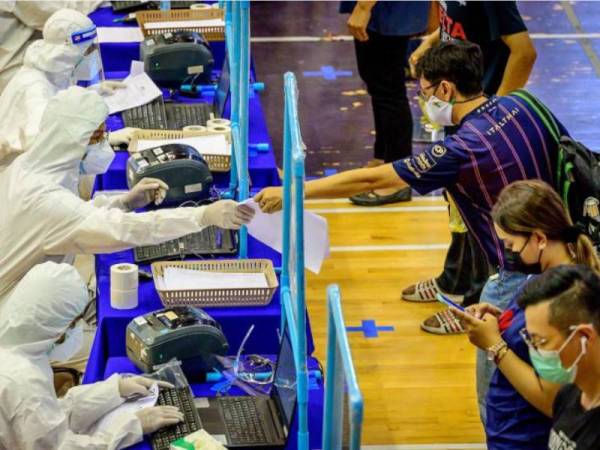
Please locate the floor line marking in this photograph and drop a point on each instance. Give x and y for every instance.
(584, 41)
(425, 447)
(370, 210)
(387, 248)
(349, 38)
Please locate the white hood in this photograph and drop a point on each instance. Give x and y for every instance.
(41, 308)
(67, 124)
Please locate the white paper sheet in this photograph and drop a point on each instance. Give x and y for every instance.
(119, 34)
(109, 421)
(211, 144)
(136, 68)
(139, 91)
(180, 24)
(268, 228)
(178, 278)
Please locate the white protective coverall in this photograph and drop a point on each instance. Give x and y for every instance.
(48, 67)
(41, 218)
(39, 310)
(21, 23)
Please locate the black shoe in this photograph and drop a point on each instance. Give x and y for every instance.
(374, 199)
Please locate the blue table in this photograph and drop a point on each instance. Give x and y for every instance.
(261, 164)
(235, 321)
(315, 407)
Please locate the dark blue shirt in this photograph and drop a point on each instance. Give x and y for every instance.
(512, 423)
(484, 23)
(498, 143)
(395, 18)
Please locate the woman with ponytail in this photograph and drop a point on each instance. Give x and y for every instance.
(538, 235)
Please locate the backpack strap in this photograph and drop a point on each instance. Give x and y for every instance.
(541, 110)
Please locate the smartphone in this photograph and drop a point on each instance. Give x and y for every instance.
(446, 301)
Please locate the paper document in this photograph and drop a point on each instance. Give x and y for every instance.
(119, 34)
(181, 24)
(136, 68)
(211, 144)
(139, 91)
(268, 228)
(178, 278)
(111, 420)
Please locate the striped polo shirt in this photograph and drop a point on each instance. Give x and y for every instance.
(500, 142)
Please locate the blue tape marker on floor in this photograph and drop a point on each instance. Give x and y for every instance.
(329, 172)
(370, 329)
(327, 73)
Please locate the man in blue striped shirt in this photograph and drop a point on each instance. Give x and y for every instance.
(499, 140)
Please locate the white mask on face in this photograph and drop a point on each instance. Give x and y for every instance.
(71, 345)
(439, 111)
(97, 158)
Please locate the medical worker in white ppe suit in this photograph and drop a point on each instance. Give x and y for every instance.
(41, 321)
(42, 218)
(21, 23)
(68, 50)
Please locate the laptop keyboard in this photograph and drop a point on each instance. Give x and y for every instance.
(181, 398)
(151, 116)
(182, 115)
(243, 420)
(210, 241)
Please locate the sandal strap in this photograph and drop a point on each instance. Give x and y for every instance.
(449, 321)
(427, 289)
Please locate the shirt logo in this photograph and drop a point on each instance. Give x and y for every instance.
(438, 151)
(560, 441)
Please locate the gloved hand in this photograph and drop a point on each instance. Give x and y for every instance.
(122, 136)
(134, 386)
(156, 417)
(143, 193)
(226, 214)
(108, 87)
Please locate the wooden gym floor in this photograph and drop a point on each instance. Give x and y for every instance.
(418, 388)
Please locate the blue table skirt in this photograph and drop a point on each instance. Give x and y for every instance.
(315, 406)
(235, 321)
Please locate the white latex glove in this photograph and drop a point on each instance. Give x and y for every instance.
(108, 87)
(156, 417)
(139, 386)
(122, 136)
(146, 191)
(226, 214)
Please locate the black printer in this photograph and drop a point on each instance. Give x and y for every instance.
(181, 166)
(179, 57)
(183, 332)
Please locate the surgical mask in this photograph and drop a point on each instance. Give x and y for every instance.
(548, 365)
(71, 345)
(97, 159)
(439, 111)
(516, 263)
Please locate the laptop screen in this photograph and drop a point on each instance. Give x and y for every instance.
(222, 93)
(284, 384)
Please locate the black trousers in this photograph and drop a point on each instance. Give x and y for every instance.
(381, 62)
(466, 269)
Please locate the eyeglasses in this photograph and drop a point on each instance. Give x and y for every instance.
(536, 343)
(421, 94)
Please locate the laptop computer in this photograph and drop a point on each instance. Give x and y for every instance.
(256, 421)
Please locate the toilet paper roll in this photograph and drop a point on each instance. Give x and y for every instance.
(194, 128)
(124, 299)
(124, 276)
(200, 6)
(220, 128)
(218, 123)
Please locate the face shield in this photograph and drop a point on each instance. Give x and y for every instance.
(88, 71)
